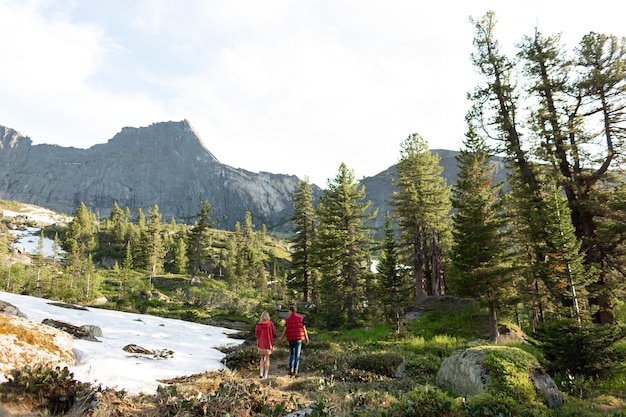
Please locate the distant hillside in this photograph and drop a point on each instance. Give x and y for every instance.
(164, 164)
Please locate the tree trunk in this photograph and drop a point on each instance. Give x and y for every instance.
(493, 324)
(437, 271)
(418, 268)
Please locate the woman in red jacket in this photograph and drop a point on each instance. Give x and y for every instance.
(265, 333)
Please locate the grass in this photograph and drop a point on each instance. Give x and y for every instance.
(355, 336)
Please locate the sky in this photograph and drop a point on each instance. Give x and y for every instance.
(289, 87)
(104, 362)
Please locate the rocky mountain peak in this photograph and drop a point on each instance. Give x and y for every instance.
(10, 138)
(160, 140)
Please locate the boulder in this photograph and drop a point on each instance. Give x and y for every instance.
(93, 330)
(494, 369)
(10, 309)
(140, 351)
(76, 331)
(25, 342)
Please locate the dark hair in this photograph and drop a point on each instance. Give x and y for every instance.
(292, 307)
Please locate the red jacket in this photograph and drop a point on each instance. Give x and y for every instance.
(265, 331)
(294, 327)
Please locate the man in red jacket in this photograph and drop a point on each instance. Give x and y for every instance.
(296, 333)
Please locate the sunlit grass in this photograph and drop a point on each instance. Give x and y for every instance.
(357, 336)
(463, 324)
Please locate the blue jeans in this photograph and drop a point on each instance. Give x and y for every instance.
(294, 354)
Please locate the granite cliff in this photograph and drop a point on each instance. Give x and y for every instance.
(164, 164)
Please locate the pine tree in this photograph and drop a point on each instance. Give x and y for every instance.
(479, 267)
(127, 269)
(245, 265)
(526, 222)
(342, 248)
(152, 243)
(118, 227)
(573, 126)
(394, 286)
(252, 252)
(39, 258)
(567, 277)
(180, 258)
(79, 242)
(199, 239)
(302, 270)
(421, 205)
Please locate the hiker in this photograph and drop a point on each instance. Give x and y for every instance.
(265, 333)
(296, 333)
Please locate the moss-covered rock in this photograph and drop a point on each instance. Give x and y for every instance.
(498, 369)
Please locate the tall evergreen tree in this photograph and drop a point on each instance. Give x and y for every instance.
(118, 228)
(127, 269)
(199, 239)
(479, 267)
(342, 248)
(180, 258)
(39, 258)
(567, 277)
(79, 242)
(421, 205)
(245, 260)
(394, 285)
(152, 249)
(575, 127)
(302, 269)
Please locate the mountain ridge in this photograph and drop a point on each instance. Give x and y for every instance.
(167, 164)
(164, 164)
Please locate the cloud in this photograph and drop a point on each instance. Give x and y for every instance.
(280, 86)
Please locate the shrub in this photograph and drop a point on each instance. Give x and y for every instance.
(587, 350)
(501, 405)
(426, 401)
(242, 357)
(383, 363)
(57, 387)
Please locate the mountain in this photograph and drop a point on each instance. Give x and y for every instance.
(380, 186)
(165, 164)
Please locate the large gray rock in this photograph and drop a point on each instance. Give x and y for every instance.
(77, 332)
(164, 164)
(467, 373)
(10, 309)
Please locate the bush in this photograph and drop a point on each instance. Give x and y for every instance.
(588, 350)
(426, 401)
(244, 356)
(383, 363)
(500, 405)
(57, 387)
